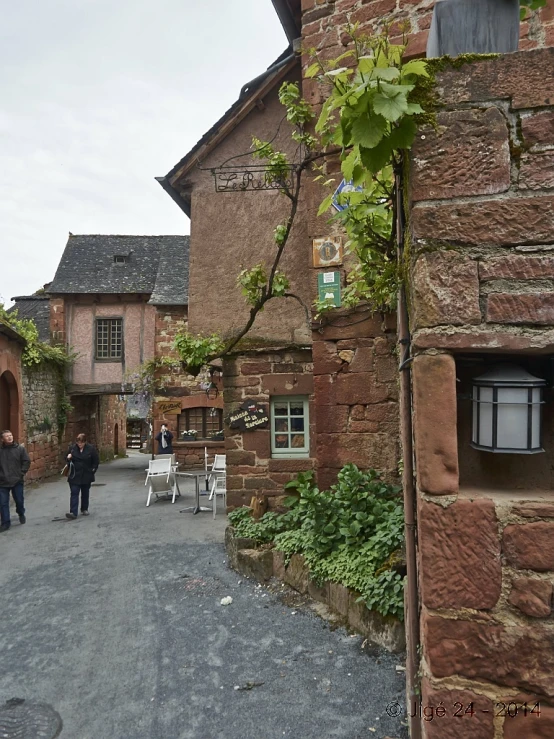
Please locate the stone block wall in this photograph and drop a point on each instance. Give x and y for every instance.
(356, 395)
(40, 411)
(480, 234)
(259, 375)
(97, 416)
(324, 21)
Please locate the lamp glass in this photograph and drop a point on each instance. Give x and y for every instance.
(513, 410)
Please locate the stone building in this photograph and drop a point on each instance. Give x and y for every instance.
(118, 301)
(481, 230)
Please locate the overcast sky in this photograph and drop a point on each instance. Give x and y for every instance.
(97, 97)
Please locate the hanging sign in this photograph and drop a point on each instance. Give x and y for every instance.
(344, 187)
(249, 416)
(169, 407)
(328, 288)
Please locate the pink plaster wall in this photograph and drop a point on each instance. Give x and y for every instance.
(138, 327)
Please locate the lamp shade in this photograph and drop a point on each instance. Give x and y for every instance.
(507, 409)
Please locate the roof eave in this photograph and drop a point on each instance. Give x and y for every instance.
(11, 333)
(174, 195)
(288, 21)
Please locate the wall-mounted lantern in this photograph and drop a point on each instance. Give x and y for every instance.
(507, 409)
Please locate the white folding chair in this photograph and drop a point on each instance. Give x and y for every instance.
(219, 487)
(158, 469)
(218, 468)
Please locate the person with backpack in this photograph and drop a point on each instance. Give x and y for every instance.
(14, 464)
(83, 462)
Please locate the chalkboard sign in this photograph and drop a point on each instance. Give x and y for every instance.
(249, 416)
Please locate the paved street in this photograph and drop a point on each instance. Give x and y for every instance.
(115, 620)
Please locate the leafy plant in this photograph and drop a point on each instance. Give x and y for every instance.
(35, 351)
(352, 533)
(527, 5)
(196, 351)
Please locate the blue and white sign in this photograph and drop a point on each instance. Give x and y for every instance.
(344, 187)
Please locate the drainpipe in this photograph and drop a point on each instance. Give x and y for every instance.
(406, 435)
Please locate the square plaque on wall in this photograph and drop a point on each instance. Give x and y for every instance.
(327, 251)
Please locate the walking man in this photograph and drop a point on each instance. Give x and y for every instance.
(14, 463)
(83, 462)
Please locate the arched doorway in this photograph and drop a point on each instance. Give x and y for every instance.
(116, 440)
(9, 404)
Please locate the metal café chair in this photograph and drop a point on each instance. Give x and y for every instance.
(158, 469)
(218, 487)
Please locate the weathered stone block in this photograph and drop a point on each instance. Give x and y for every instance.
(255, 563)
(297, 574)
(517, 657)
(534, 510)
(365, 450)
(530, 546)
(468, 155)
(255, 368)
(496, 222)
(279, 564)
(363, 360)
(452, 723)
(524, 308)
(529, 724)
(538, 128)
(331, 419)
(235, 457)
(460, 555)
(517, 267)
(339, 598)
(258, 441)
(233, 544)
(326, 359)
(537, 171)
(435, 424)
(445, 290)
(385, 631)
(359, 387)
(533, 597)
(320, 593)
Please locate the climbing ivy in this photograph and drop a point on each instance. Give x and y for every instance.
(351, 534)
(527, 5)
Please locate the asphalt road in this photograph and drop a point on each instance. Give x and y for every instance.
(116, 621)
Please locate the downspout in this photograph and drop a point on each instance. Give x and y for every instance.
(406, 435)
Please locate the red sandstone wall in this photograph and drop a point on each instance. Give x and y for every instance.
(482, 288)
(96, 416)
(356, 395)
(259, 376)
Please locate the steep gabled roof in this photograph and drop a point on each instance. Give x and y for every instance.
(36, 308)
(109, 264)
(251, 92)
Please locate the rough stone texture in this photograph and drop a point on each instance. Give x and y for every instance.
(445, 290)
(385, 631)
(379, 451)
(530, 546)
(537, 171)
(517, 77)
(255, 563)
(468, 155)
(453, 723)
(514, 656)
(434, 380)
(495, 222)
(521, 309)
(460, 555)
(233, 544)
(533, 597)
(534, 510)
(538, 128)
(517, 267)
(339, 597)
(297, 574)
(533, 725)
(486, 340)
(41, 393)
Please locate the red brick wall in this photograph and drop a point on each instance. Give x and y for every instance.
(482, 289)
(356, 395)
(96, 416)
(259, 376)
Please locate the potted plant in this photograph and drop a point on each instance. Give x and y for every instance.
(218, 436)
(189, 435)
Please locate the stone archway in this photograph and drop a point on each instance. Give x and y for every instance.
(9, 403)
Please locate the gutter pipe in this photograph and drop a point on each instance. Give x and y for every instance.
(250, 86)
(410, 519)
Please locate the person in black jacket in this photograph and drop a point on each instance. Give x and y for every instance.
(165, 440)
(14, 463)
(83, 462)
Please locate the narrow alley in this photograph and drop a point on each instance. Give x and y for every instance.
(116, 621)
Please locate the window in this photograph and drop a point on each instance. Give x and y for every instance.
(120, 259)
(290, 428)
(205, 421)
(109, 338)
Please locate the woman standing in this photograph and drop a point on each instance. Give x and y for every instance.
(165, 439)
(83, 462)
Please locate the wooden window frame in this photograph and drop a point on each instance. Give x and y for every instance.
(289, 452)
(109, 319)
(205, 411)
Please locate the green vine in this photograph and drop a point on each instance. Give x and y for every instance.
(351, 534)
(527, 5)
(196, 351)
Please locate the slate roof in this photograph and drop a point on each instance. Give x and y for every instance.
(156, 265)
(36, 307)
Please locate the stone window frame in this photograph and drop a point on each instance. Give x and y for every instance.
(118, 358)
(290, 452)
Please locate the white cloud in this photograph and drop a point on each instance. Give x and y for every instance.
(100, 97)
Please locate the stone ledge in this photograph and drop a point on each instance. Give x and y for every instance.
(262, 564)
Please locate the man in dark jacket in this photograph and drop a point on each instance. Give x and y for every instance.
(83, 462)
(14, 463)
